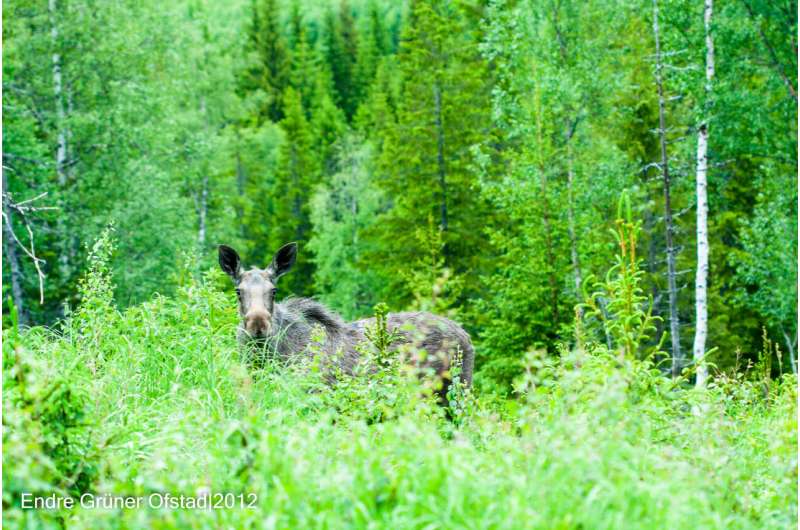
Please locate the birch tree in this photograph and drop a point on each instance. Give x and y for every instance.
(62, 135)
(701, 278)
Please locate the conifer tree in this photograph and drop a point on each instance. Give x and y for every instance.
(187, 132)
(268, 71)
(329, 125)
(305, 66)
(297, 173)
(341, 47)
(377, 114)
(426, 161)
(371, 48)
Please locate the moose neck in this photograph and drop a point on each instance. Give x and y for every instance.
(293, 328)
(289, 333)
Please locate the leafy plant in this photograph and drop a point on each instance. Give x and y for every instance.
(380, 337)
(618, 302)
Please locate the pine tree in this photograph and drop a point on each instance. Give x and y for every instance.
(305, 65)
(329, 125)
(379, 107)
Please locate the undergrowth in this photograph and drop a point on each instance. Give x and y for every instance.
(158, 399)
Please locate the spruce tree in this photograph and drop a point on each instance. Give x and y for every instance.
(341, 48)
(377, 114)
(371, 48)
(267, 74)
(305, 66)
(426, 160)
(297, 173)
(329, 125)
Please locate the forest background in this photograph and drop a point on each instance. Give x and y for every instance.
(464, 157)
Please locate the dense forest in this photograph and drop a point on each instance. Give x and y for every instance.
(467, 157)
(603, 194)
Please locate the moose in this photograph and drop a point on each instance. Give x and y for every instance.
(286, 329)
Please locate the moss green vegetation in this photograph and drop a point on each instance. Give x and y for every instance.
(155, 399)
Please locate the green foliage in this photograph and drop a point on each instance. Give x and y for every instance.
(48, 425)
(137, 135)
(382, 388)
(298, 169)
(431, 283)
(380, 337)
(346, 126)
(340, 41)
(268, 70)
(96, 289)
(619, 302)
(341, 212)
(768, 277)
(425, 162)
(458, 157)
(174, 409)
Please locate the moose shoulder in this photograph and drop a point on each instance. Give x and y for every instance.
(286, 329)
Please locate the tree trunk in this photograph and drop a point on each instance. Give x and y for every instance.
(240, 181)
(569, 132)
(548, 238)
(701, 279)
(677, 358)
(573, 237)
(202, 196)
(61, 143)
(437, 100)
(12, 256)
(791, 343)
(202, 213)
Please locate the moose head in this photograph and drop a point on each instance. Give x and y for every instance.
(255, 288)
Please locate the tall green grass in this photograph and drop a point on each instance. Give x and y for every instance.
(157, 399)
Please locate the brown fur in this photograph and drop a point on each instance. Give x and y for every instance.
(285, 330)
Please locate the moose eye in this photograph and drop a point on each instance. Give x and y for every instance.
(274, 292)
(239, 293)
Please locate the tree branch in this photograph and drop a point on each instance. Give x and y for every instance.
(22, 209)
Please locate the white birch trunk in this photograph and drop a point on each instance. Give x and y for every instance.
(440, 158)
(701, 279)
(61, 139)
(573, 236)
(791, 343)
(202, 214)
(201, 199)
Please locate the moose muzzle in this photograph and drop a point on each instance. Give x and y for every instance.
(257, 323)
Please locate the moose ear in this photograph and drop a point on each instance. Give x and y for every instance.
(283, 259)
(229, 261)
